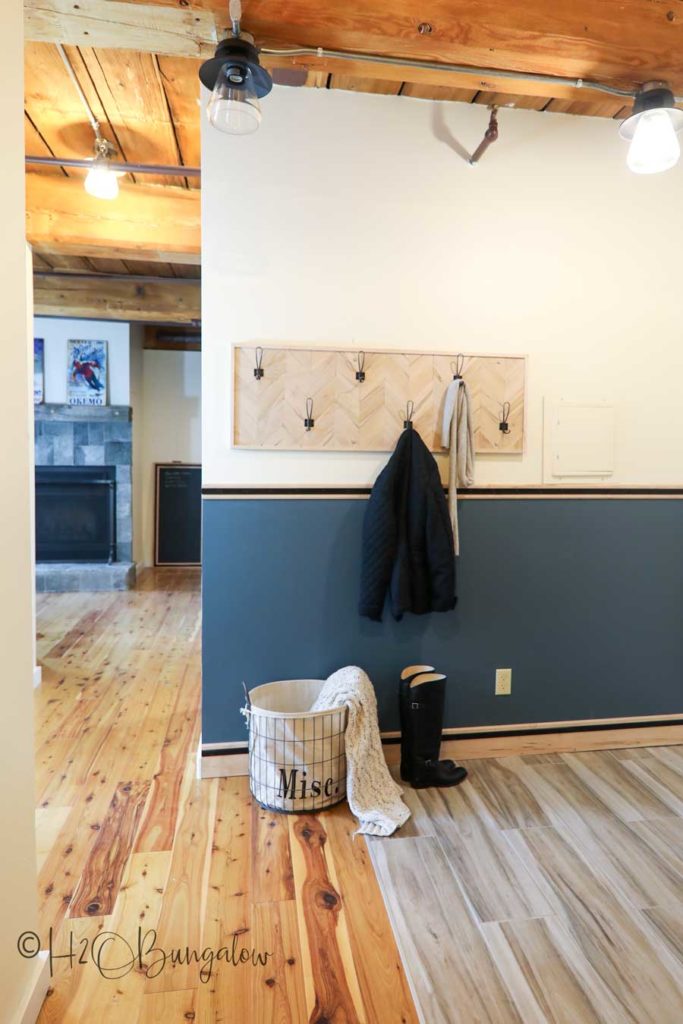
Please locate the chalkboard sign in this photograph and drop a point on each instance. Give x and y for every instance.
(178, 514)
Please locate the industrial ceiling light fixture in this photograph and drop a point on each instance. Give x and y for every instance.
(652, 129)
(101, 181)
(237, 81)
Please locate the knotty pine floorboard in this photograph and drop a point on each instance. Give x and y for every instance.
(129, 839)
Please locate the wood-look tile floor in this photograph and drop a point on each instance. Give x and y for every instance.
(544, 890)
(128, 839)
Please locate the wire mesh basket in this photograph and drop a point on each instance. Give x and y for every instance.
(297, 757)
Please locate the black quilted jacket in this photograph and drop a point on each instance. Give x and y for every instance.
(407, 536)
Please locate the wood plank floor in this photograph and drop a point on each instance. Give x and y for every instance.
(544, 890)
(131, 843)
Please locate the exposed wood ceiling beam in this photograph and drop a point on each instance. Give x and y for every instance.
(622, 43)
(150, 278)
(60, 264)
(73, 295)
(169, 29)
(146, 222)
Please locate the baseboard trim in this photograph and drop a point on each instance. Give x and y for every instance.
(231, 746)
(228, 760)
(36, 990)
(537, 728)
(560, 742)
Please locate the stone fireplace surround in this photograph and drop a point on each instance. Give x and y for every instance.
(67, 435)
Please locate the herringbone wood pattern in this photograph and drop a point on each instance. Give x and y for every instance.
(353, 416)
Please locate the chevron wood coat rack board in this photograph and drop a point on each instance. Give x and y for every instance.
(269, 411)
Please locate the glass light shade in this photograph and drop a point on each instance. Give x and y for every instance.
(101, 182)
(234, 107)
(655, 145)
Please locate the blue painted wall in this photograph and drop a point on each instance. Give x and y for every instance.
(582, 598)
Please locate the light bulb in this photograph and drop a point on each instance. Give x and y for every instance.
(654, 146)
(101, 182)
(234, 107)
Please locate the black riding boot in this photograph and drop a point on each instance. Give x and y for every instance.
(422, 707)
(407, 675)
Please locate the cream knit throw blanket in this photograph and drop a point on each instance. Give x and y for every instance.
(457, 434)
(374, 797)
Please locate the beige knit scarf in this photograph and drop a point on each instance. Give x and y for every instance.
(457, 434)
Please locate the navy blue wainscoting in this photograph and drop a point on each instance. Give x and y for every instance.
(583, 599)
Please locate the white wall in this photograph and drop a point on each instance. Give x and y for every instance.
(18, 860)
(57, 332)
(137, 332)
(166, 396)
(349, 219)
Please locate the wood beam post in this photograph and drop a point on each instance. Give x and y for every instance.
(146, 222)
(179, 31)
(177, 300)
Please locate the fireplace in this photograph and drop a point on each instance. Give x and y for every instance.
(76, 514)
(84, 498)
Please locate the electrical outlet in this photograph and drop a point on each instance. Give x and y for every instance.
(503, 682)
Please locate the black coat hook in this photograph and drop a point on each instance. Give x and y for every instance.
(408, 421)
(309, 422)
(504, 426)
(360, 372)
(457, 365)
(258, 370)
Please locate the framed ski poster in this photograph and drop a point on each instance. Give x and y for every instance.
(87, 373)
(38, 371)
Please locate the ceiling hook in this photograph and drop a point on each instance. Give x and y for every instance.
(490, 135)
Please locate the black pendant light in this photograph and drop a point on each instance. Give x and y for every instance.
(237, 82)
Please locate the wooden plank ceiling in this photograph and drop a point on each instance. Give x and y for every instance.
(137, 64)
(623, 42)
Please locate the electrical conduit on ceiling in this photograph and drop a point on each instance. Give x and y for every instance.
(460, 69)
(125, 166)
